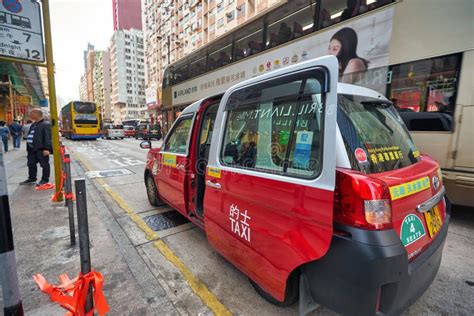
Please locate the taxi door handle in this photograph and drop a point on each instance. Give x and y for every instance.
(181, 167)
(214, 185)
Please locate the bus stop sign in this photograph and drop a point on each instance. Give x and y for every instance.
(21, 32)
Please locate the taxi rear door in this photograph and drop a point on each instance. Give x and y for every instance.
(270, 181)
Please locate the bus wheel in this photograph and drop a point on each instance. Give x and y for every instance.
(291, 293)
(152, 191)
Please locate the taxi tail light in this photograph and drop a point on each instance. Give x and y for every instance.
(362, 201)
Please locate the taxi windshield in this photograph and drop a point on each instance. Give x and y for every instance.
(375, 136)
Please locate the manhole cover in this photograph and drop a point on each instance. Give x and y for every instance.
(108, 173)
(165, 220)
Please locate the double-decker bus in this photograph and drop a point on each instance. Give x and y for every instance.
(81, 120)
(398, 48)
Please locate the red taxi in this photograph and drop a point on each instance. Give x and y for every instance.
(312, 188)
(129, 131)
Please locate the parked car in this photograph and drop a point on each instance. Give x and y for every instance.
(129, 131)
(148, 131)
(111, 131)
(312, 188)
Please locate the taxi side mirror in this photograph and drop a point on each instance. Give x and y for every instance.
(146, 144)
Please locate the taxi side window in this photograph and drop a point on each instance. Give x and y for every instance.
(177, 142)
(276, 127)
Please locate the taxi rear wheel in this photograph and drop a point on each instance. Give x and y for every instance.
(291, 293)
(152, 191)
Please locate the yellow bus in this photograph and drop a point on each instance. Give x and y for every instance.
(81, 120)
(398, 48)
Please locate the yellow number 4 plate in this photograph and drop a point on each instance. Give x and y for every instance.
(433, 221)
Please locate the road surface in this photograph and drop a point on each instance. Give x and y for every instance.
(452, 292)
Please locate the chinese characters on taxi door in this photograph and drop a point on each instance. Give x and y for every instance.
(239, 222)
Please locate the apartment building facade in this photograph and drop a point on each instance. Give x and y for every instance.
(127, 66)
(102, 84)
(174, 28)
(82, 88)
(127, 14)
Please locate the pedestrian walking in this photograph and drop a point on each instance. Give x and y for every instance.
(4, 135)
(39, 147)
(26, 129)
(15, 131)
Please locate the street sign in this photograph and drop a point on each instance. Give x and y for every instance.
(21, 32)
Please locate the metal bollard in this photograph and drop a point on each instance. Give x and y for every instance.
(69, 200)
(12, 305)
(83, 226)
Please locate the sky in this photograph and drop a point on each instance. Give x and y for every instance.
(75, 23)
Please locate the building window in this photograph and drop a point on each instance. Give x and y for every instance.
(424, 92)
(220, 23)
(241, 10)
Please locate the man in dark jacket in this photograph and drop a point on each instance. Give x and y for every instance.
(39, 147)
(15, 131)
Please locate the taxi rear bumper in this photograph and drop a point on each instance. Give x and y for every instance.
(368, 273)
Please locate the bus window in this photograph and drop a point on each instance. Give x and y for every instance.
(181, 73)
(220, 54)
(424, 92)
(334, 11)
(198, 65)
(168, 77)
(248, 41)
(298, 21)
(15, 20)
(3, 17)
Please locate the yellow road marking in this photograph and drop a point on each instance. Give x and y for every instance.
(196, 285)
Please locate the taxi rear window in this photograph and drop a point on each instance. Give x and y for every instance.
(375, 137)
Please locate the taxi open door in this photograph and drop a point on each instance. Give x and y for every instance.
(271, 173)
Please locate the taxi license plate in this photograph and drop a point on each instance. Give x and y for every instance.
(433, 221)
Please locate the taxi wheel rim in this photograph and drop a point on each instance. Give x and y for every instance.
(151, 190)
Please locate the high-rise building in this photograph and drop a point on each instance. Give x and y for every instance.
(174, 28)
(127, 14)
(127, 66)
(83, 88)
(102, 84)
(89, 70)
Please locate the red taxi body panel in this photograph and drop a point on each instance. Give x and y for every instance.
(172, 182)
(401, 207)
(288, 225)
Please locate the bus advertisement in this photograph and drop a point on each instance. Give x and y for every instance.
(378, 46)
(81, 120)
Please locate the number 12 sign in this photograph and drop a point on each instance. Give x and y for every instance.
(21, 31)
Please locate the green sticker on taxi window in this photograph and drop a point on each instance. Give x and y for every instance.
(284, 137)
(412, 229)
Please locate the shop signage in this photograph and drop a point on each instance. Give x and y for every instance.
(23, 100)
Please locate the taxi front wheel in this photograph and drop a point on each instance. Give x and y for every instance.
(152, 191)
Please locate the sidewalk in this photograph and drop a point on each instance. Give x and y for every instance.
(42, 245)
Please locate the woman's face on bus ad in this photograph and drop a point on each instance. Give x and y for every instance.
(334, 47)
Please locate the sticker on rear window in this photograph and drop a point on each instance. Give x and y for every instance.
(383, 154)
(412, 229)
(409, 188)
(360, 155)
